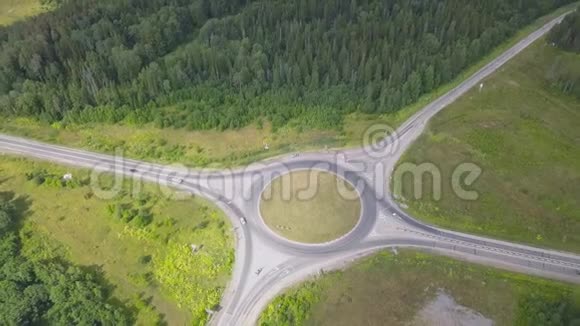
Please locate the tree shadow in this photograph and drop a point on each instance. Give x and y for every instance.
(19, 206)
(7, 196)
(98, 273)
(3, 180)
(148, 301)
(129, 307)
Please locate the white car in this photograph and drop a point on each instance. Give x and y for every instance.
(243, 220)
(176, 180)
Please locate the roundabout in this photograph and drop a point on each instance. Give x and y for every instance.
(275, 251)
(310, 206)
(358, 196)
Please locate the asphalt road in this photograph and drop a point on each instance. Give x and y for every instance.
(265, 263)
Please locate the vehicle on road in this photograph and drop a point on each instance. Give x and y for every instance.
(259, 271)
(243, 220)
(176, 180)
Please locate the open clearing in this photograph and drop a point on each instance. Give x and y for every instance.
(310, 206)
(14, 10)
(443, 310)
(141, 240)
(523, 132)
(388, 289)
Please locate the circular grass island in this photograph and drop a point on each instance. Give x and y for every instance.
(310, 206)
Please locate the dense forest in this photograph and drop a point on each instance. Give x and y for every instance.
(567, 34)
(204, 64)
(47, 292)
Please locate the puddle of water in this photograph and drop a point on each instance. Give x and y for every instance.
(444, 311)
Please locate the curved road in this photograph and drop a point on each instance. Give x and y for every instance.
(266, 264)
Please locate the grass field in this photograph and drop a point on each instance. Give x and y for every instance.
(388, 289)
(140, 242)
(310, 207)
(14, 10)
(523, 133)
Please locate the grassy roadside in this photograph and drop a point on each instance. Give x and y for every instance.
(235, 147)
(522, 131)
(310, 207)
(388, 289)
(140, 240)
(194, 148)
